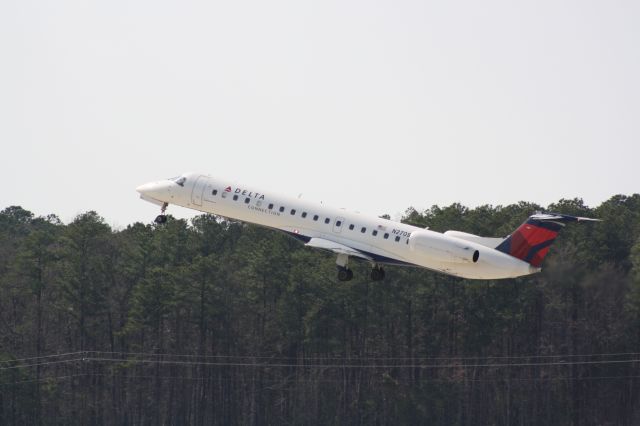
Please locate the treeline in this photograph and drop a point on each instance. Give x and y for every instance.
(216, 322)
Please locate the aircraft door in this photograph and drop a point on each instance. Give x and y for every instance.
(338, 224)
(208, 195)
(198, 189)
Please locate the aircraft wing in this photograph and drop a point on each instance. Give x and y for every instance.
(321, 243)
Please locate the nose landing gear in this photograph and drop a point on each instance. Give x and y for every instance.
(162, 218)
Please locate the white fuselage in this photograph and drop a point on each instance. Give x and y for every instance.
(380, 240)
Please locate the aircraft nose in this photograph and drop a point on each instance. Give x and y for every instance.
(144, 188)
(157, 190)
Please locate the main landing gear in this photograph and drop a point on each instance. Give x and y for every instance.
(162, 218)
(346, 274)
(377, 273)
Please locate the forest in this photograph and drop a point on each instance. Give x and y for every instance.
(214, 322)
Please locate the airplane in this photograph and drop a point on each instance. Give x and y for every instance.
(352, 235)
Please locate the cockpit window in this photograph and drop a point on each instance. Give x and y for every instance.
(179, 180)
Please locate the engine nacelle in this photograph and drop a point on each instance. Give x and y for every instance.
(441, 248)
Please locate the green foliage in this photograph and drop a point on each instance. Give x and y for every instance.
(265, 334)
(633, 296)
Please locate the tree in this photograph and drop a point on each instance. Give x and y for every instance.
(217, 322)
(34, 270)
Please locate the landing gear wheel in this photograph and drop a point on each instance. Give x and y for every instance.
(345, 274)
(162, 218)
(377, 274)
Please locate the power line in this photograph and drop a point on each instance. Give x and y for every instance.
(362, 366)
(336, 366)
(340, 358)
(65, 361)
(333, 365)
(288, 383)
(369, 357)
(43, 357)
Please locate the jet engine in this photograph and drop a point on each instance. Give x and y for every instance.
(440, 248)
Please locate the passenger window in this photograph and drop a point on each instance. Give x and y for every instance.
(281, 209)
(338, 223)
(270, 206)
(258, 203)
(214, 192)
(246, 200)
(315, 217)
(363, 230)
(374, 233)
(235, 198)
(386, 235)
(327, 220)
(351, 227)
(224, 194)
(304, 214)
(293, 211)
(397, 238)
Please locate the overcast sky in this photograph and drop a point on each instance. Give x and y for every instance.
(369, 105)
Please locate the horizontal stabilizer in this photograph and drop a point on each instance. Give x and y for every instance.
(561, 218)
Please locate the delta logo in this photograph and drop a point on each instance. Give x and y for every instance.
(245, 192)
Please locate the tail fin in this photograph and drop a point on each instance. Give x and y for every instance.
(532, 240)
